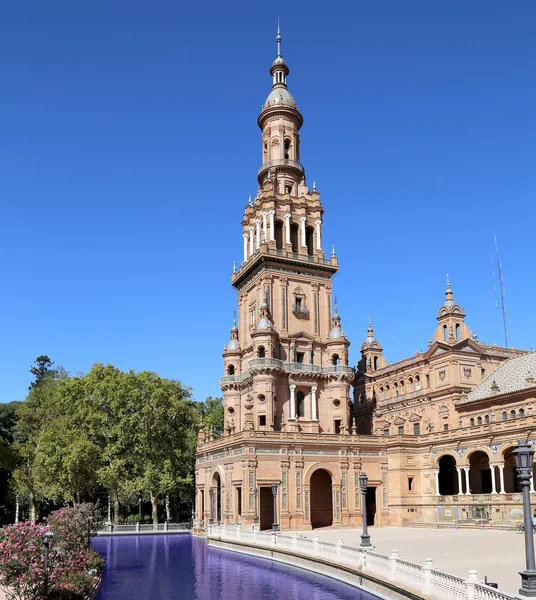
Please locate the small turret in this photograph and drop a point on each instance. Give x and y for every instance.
(371, 352)
(451, 328)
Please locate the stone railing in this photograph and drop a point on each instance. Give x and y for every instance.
(145, 528)
(421, 579)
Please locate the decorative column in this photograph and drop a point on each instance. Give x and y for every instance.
(257, 233)
(272, 226)
(264, 233)
(313, 403)
(287, 228)
(251, 240)
(17, 505)
(292, 402)
(303, 220)
(501, 478)
(467, 489)
(493, 485)
(436, 473)
(531, 485)
(318, 235)
(460, 485)
(211, 504)
(245, 236)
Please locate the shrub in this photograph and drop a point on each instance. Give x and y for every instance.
(72, 566)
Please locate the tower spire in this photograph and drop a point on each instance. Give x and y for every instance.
(278, 38)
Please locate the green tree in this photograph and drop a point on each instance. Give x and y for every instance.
(164, 420)
(211, 410)
(42, 371)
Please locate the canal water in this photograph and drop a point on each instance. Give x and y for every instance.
(181, 567)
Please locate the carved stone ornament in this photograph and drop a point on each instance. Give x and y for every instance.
(442, 374)
(467, 372)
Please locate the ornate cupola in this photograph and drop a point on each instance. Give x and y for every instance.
(337, 342)
(451, 320)
(371, 352)
(231, 352)
(280, 120)
(264, 335)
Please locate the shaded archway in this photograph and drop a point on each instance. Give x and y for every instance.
(511, 484)
(216, 486)
(448, 476)
(278, 234)
(321, 499)
(479, 473)
(294, 236)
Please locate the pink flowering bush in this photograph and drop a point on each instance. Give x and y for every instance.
(73, 567)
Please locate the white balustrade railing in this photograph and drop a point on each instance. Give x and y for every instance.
(423, 579)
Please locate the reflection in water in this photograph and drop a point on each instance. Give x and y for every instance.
(169, 567)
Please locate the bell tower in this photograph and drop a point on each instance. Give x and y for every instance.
(286, 365)
(451, 320)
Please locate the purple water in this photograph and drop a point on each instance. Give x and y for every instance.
(169, 567)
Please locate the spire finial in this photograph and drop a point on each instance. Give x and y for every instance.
(234, 318)
(278, 38)
(336, 306)
(234, 266)
(448, 282)
(333, 251)
(369, 322)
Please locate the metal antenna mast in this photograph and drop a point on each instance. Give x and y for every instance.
(502, 292)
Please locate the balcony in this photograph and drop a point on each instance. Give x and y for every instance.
(281, 162)
(300, 311)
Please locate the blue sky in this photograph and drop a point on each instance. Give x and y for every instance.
(129, 146)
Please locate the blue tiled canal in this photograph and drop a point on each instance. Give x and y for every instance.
(169, 567)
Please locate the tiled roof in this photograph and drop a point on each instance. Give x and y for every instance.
(510, 376)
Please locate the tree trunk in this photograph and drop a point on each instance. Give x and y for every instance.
(168, 512)
(154, 504)
(33, 509)
(116, 508)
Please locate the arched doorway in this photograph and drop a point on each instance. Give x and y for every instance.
(321, 499)
(511, 484)
(448, 476)
(479, 473)
(216, 486)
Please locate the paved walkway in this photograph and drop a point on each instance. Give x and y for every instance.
(498, 554)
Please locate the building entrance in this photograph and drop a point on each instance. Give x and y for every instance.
(321, 499)
(371, 505)
(266, 508)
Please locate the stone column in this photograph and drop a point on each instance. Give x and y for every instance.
(292, 402)
(287, 228)
(303, 220)
(318, 235)
(460, 483)
(493, 486)
(251, 240)
(245, 236)
(257, 233)
(264, 232)
(436, 473)
(467, 489)
(272, 226)
(501, 478)
(313, 403)
(532, 491)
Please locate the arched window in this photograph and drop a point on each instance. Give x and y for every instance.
(230, 370)
(375, 363)
(294, 237)
(300, 404)
(521, 412)
(309, 237)
(395, 385)
(335, 360)
(278, 234)
(261, 352)
(402, 387)
(417, 382)
(458, 334)
(410, 383)
(445, 333)
(512, 414)
(486, 419)
(471, 422)
(504, 416)
(287, 148)
(479, 421)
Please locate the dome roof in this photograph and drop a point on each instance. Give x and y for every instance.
(280, 96)
(335, 333)
(264, 323)
(232, 345)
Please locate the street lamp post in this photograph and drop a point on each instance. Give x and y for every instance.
(109, 509)
(275, 524)
(255, 510)
(365, 537)
(139, 507)
(48, 537)
(17, 503)
(524, 454)
(211, 504)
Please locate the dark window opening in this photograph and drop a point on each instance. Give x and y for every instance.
(401, 430)
(445, 333)
(299, 305)
(410, 484)
(262, 420)
(445, 426)
(309, 237)
(261, 352)
(375, 363)
(287, 148)
(300, 404)
(416, 429)
(278, 235)
(458, 331)
(386, 431)
(299, 357)
(337, 426)
(294, 236)
(230, 370)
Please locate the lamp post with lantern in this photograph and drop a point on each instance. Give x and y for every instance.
(524, 454)
(255, 509)
(365, 537)
(47, 537)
